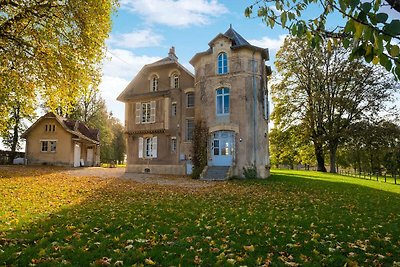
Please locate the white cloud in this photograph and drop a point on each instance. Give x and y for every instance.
(136, 39)
(179, 13)
(110, 88)
(125, 64)
(118, 70)
(270, 43)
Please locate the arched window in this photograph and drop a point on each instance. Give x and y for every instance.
(175, 80)
(154, 83)
(223, 101)
(222, 63)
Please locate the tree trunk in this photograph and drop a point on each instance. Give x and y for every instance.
(15, 135)
(332, 157)
(319, 153)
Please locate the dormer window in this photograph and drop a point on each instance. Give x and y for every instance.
(222, 63)
(175, 80)
(154, 83)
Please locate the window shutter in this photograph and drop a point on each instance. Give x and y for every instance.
(154, 147)
(138, 111)
(152, 111)
(140, 147)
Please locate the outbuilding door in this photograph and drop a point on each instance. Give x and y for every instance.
(89, 157)
(222, 148)
(77, 155)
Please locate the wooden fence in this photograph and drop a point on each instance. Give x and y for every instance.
(379, 177)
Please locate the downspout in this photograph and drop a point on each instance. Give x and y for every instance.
(254, 109)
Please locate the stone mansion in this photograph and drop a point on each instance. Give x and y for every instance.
(228, 92)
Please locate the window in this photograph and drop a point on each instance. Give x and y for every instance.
(44, 146)
(173, 144)
(53, 146)
(190, 100)
(145, 112)
(175, 80)
(174, 109)
(146, 109)
(154, 83)
(222, 63)
(50, 128)
(189, 129)
(148, 147)
(223, 101)
(49, 146)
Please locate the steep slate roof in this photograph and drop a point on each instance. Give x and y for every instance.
(237, 39)
(74, 127)
(237, 42)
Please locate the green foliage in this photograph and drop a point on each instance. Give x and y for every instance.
(290, 146)
(250, 172)
(369, 30)
(373, 147)
(303, 218)
(200, 139)
(324, 93)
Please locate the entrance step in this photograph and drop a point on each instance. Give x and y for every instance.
(216, 173)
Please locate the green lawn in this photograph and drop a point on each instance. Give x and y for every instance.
(294, 218)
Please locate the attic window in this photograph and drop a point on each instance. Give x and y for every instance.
(154, 83)
(222, 63)
(175, 80)
(50, 128)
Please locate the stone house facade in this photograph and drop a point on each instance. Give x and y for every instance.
(55, 140)
(228, 92)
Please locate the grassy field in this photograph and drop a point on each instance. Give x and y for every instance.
(293, 218)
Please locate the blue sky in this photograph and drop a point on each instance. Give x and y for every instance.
(143, 31)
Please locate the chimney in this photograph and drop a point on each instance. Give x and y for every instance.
(171, 54)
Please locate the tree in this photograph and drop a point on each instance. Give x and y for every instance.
(18, 108)
(56, 46)
(326, 92)
(366, 27)
(289, 146)
(91, 109)
(200, 139)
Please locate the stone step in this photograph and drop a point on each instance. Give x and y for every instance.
(216, 173)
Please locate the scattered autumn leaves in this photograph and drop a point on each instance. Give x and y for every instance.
(50, 218)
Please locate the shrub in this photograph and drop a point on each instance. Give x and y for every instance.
(250, 172)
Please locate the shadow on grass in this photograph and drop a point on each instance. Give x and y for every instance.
(280, 220)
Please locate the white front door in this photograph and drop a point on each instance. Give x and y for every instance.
(222, 148)
(77, 155)
(89, 157)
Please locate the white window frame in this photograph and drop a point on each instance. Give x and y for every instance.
(174, 109)
(53, 146)
(154, 83)
(50, 145)
(175, 80)
(145, 112)
(222, 63)
(173, 144)
(44, 144)
(221, 97)
(147, 148)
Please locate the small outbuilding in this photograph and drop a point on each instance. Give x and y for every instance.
(55, 140)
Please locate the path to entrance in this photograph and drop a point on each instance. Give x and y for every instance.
(184, 181)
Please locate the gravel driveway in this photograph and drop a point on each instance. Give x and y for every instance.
(185, 181)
